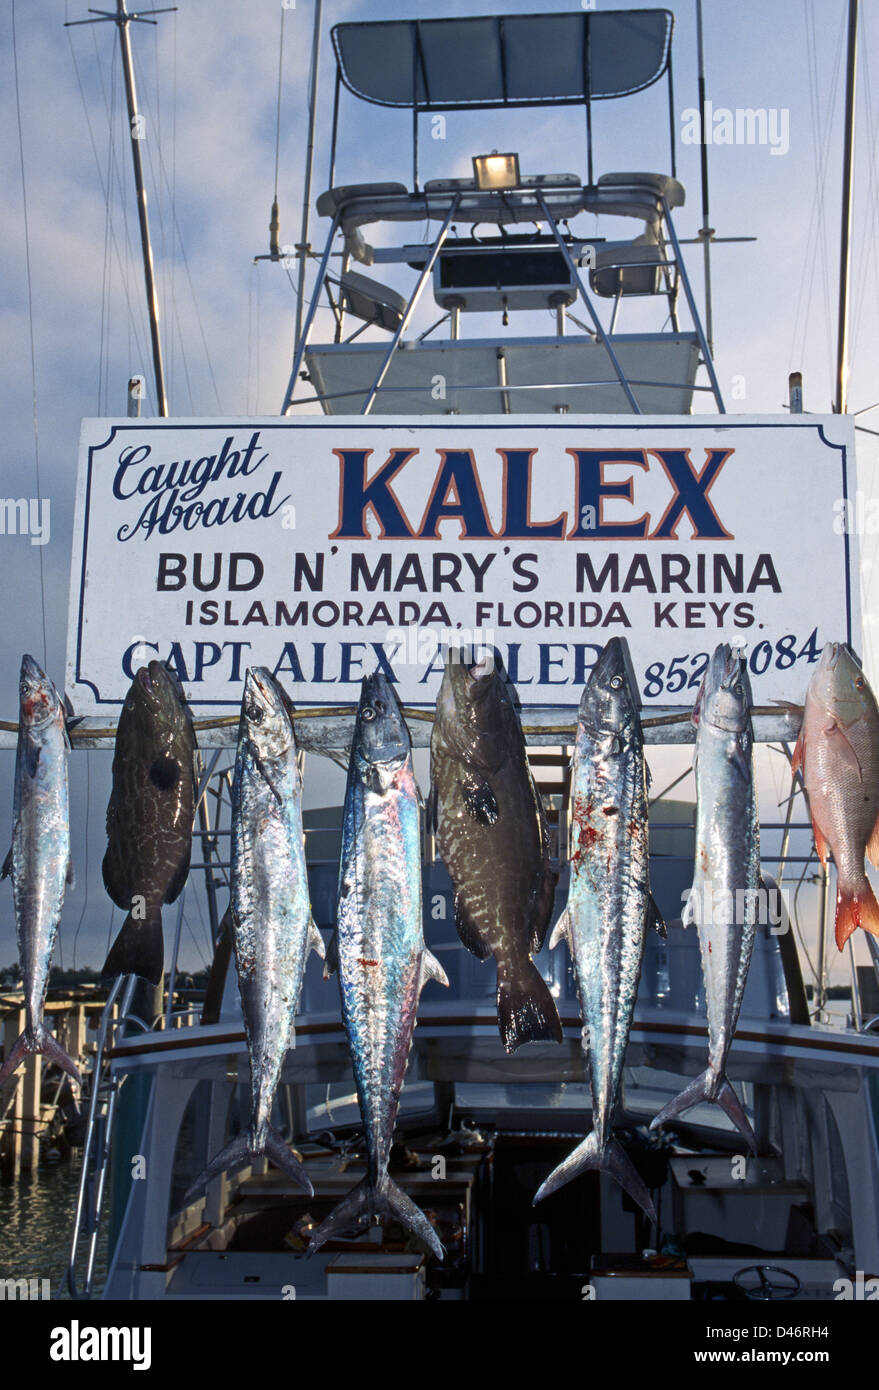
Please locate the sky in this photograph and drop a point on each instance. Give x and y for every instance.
(207, 78)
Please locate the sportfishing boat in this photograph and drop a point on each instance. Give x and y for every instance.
(509, 252)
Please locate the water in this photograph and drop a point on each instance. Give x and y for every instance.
(36, 1226)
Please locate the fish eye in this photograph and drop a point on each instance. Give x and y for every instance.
(254, 712)
(860, 683)
(740, 690)
(368, 713)
(616, 682)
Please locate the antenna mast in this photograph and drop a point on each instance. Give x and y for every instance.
(122, 19)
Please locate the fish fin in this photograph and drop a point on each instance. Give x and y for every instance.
(655, 918)
(41, 1041)
(741, 760)
(844, 749)
(7, 865)
(469, 932)
(820, 842)
(873, 846)
(139, 949)
(526, 1011)
(479, 798)
(70, 876)
(542, 903)
(241, 1150)
(283, 1157)
(855, 910)
(431, 809)
(613, 1160)
(561, 931)
(432, 970)
(331, 958)
(367, 1199)
(709, 1087)
(798, 759)
(648, 775)
(315, 941)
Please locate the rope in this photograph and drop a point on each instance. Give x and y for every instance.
(30, 315)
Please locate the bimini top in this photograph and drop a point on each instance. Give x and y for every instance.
(513, 60)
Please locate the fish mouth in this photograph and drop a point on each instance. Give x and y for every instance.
(39, 698)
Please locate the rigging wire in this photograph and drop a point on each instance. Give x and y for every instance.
(30, 315)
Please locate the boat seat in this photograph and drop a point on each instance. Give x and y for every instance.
(368, 300)
(630, 268)
(660, 185)
(332, 203)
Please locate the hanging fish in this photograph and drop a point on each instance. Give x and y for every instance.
(492, 837)
(378, 948)
(39, 860)
(149, 818)
(726, 873)
(609, 905)
(838, 751)
(272, 926)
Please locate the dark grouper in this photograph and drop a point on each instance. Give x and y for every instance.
(378, 948)
(149, 818)
(273, 930)
(726, 874)
(491, 834)
(609, 904)
(39, 859)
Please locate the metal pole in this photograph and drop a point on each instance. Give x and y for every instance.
(306, 328)
(824, 890)
(848, 169)
(706, 232)
(691, 304)
(410, 308)
(795, 392)
(134, 124)
(599, 329)
(303, 247)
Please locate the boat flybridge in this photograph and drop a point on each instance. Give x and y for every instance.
(478, 1129)
(503, 245)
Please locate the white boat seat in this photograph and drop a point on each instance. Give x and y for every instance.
(631, 268)
(368, 300)
(662, 185)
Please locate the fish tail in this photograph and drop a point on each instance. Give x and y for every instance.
(38, 1040)
(607, 1158)
(139, 949)
(242, 1150)
(709, 1087)
(856, 909)
(370, 1199)
(526, 1011)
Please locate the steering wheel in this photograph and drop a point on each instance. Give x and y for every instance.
(767, 1287)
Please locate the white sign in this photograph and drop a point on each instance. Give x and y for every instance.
(324, 548)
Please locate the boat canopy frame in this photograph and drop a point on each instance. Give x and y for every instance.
(489, 62)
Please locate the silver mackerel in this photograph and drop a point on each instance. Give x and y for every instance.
(379, 949)
(39, 859)
(609, 906)
(272, 925)
(726, 874)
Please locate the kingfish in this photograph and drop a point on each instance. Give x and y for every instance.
(493, 840)
(838, 751)
(378, 948)
(726, 875)
(39, 860)
(272, 927)
(609, 908)
(149, 818)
